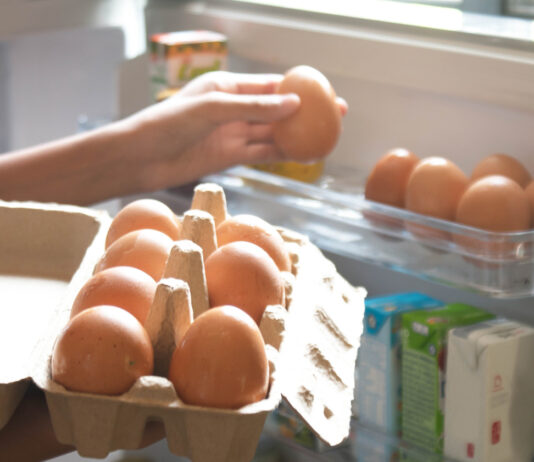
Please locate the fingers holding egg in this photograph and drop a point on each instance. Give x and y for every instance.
(312, 131)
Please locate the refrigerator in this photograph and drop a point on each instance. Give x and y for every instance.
(447, 90)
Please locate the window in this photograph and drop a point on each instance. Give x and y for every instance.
(523, 8)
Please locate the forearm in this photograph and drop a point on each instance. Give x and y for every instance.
(81, 169)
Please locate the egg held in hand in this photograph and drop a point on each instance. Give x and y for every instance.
(102, 350)
(221, 361)
(253, 229)
(502, 164)
(123, 286)
(144, 214)
(434, 188)
(313, 130)
(244, 275)
(145, 249)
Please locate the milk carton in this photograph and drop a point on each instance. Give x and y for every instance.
(424, 347)
(378, 394)
(489, 412)
(372, 446)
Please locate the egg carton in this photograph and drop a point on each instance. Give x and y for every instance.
(311, 344)
(46, 250)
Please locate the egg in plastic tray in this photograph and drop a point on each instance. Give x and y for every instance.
(311, 346)
(334, 213)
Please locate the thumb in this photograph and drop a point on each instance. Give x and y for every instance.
(220, 107)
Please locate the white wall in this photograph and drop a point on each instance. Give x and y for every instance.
(55, 76)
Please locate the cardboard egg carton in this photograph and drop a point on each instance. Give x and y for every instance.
(46, 252)
(311, 344)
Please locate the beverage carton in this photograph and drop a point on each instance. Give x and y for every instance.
(178, 57)
(369, 445)
(424, 349)
(490, 406)
(378, 394)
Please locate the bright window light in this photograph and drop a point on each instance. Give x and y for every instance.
(431, 16)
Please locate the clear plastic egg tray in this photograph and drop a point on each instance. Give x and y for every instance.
(335, 215)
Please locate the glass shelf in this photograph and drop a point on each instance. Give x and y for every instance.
(336, 217)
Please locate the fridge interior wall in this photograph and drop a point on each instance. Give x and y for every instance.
(382, 115)
(48, 80)
(84, 70)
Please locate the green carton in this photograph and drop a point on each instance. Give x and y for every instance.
(424, 353)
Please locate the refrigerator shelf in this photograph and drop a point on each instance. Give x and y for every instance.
(335, 215)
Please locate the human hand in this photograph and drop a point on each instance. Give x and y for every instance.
(218, 120)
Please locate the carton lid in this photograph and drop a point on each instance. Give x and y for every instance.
(472, 341)
(46, 250)
(317, 369)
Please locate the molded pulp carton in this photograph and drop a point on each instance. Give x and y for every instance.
(490, 406)
(46, 252)
(311, 344)
(378, 395)
(424, 350)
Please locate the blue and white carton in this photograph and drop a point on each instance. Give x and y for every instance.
(378, 402)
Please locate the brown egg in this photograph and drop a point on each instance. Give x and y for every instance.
(493, 203)
(313, 130)
(530, 194)
(123, 286)
(243, 275)
(502, 164)
(434, 189)
(387, 184)
(253, 229)
(145, 249)
(221, 361)
(388, 180)
(143, 214)
(102, 350)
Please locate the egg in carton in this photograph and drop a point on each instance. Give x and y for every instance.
(311, 345)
